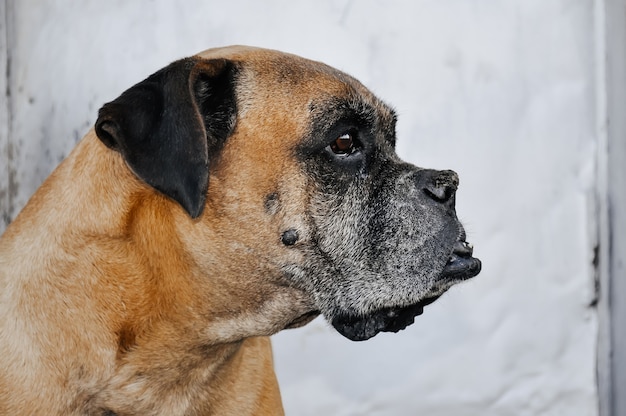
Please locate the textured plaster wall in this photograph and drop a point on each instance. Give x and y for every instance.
(502, 92)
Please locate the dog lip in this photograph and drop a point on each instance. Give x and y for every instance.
(461, 265)
(361, 328)
(463, 249)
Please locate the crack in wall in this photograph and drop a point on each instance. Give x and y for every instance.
(8, 178)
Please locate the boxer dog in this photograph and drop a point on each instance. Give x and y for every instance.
(228, 196)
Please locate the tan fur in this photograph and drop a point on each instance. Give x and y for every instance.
(112, 297)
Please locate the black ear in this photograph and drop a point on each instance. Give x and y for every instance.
(169, 127)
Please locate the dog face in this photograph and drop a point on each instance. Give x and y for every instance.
(289, 166)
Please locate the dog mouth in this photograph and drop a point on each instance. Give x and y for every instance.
(460, 266)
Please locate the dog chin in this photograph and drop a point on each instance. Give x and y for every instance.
(460, 266)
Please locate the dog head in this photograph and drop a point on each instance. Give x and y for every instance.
(293, 163)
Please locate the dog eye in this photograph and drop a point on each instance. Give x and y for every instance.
(344, 144)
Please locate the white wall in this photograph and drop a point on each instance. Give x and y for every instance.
(502, 92)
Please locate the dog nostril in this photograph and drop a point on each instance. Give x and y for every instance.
(442, 186)
(440, 193)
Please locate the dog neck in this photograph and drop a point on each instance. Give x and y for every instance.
(133, 270)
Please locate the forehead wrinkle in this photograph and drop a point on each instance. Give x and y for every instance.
(365, 108)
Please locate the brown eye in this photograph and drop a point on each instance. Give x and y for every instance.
(343, 145)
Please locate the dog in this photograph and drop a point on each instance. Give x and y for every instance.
(228, 196)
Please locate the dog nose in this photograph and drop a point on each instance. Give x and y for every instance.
(441, 185)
